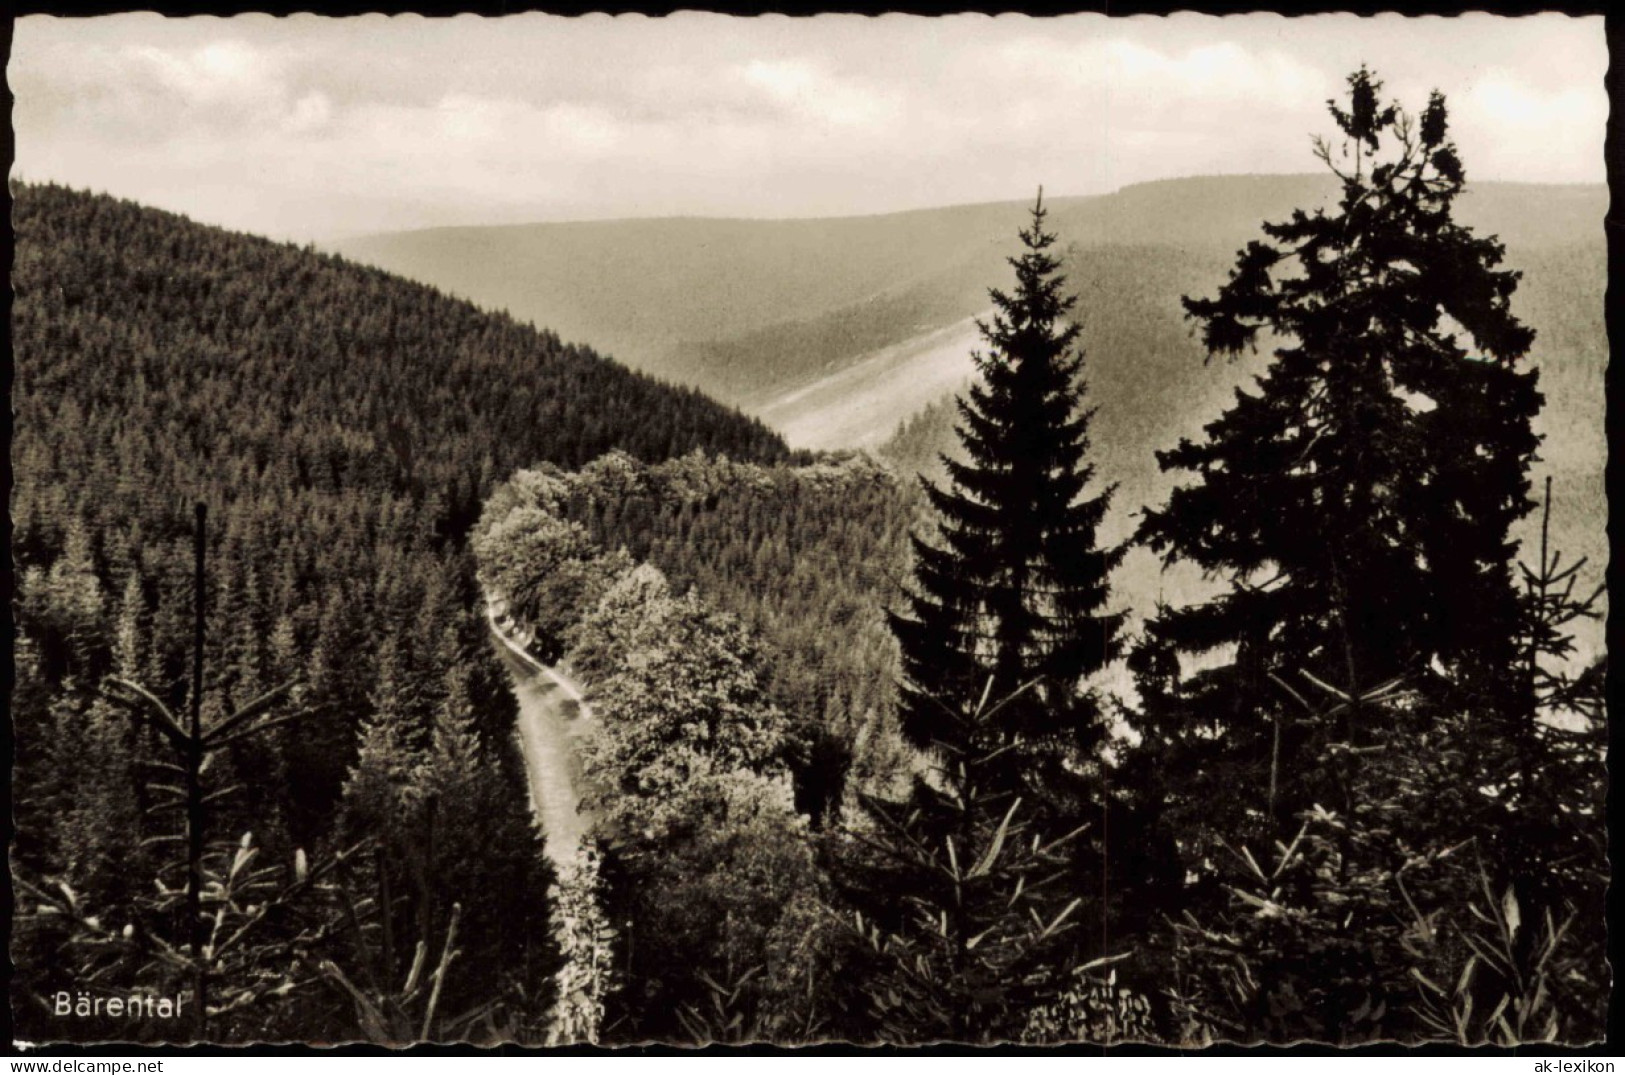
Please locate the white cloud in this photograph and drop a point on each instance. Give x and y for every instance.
(1521, 132)
(224, 72)
(312, 112)
(307, 126)
(807, 90)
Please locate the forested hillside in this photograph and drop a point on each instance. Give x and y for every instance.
(343, 428)
(748, 309)
(851, 760)
(1322, 813)
(806, 557)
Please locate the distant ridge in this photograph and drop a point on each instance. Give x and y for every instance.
(740, 307)
(836, 330)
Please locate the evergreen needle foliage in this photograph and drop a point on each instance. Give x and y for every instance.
(1013, 584)
(1359, 500)
(986, 914)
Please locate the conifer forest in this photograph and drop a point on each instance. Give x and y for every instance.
(389, 668)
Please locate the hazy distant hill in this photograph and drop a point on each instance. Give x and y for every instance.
(640, 288)
(748, 309)
(836, 331)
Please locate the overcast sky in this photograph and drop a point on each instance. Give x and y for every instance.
(310, 128)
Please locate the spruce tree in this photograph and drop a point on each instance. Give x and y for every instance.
(979, 923)
(1358, 500)
(1013, 586)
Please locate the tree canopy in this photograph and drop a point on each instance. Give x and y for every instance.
(1012, 585)
(1359, 500)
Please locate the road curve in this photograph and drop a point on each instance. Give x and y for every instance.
(552, 719)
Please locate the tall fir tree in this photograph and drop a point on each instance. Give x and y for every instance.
(1359, 499)
(1013, 585)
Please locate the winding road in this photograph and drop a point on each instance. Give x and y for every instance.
(553, 717)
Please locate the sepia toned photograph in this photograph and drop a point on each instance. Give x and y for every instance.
(554, 532)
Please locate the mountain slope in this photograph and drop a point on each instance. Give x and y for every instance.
(158, 361)
(639, 288)
(343, 427)
(749, 309)
(837, 331)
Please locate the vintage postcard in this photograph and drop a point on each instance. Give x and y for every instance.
(701, 530)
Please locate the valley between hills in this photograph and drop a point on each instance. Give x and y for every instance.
(689, 447)
(837, 333)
